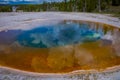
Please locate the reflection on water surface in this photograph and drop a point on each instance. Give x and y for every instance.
(64, 47)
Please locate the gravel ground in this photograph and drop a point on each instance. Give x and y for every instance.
(31, 19)
(25, 20)
(8, 74)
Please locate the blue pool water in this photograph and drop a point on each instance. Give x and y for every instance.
(59, 35)
(62, 47)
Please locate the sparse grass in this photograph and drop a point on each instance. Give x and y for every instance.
(113, 11)
(116, 15)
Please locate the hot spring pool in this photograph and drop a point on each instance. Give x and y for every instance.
(63, 47)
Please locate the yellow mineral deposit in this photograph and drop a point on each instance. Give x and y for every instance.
(60, 57)
(82, 56)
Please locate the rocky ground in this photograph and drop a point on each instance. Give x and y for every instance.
(8, 74)
(31, 19)
(25, 20)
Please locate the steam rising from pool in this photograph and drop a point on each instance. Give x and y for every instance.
(59, 35)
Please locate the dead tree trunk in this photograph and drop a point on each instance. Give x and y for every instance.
(99, 5)
(65, 5)
(84, 5)
(14, 8)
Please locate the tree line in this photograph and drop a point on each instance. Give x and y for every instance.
(66, 5)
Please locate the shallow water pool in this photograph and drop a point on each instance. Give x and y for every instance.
(67, 46)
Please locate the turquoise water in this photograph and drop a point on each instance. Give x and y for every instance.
(58, 35)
